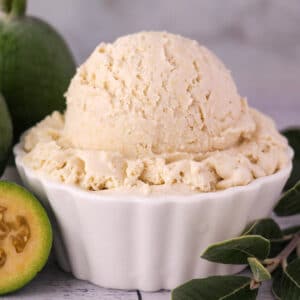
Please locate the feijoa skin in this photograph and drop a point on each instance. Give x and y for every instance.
(25, 237)
(6, 134)
(36, 66)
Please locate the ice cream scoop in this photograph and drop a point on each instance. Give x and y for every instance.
(153, 93)
(150, 109)
(168, 159)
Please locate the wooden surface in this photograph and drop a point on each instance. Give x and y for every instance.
(53, 283)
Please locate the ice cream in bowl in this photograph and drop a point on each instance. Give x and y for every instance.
(156, 157)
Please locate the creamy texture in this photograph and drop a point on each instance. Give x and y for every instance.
(155, 109)
(154, 93)
(49, 151)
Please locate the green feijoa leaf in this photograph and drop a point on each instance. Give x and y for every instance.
(290, 284)
(216, 288)
(293, 136)
(237, 250)
(267, 228)
(260, 273)
(276, 284)
(294, 255)
(295, 175)
(291, 230)
(289, 203)
(276, 247)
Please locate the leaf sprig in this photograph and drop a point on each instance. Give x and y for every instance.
(270, 253)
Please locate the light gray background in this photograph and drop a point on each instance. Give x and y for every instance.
(259, 40)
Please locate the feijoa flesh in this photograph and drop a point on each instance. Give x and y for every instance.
(25, 237)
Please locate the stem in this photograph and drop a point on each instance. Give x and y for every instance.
(281, 258)
(254, 284)
(13, 8)
(18, 8)
(284, 263)
(284, 238)
(5, 6)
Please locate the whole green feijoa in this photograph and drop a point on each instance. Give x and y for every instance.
(36, 66)
(6, 134)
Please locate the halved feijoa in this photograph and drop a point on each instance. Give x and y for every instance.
(25, 237)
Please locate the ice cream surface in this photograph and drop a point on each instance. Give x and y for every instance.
(154, 108)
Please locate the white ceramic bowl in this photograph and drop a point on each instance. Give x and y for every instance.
(147, 242)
